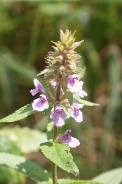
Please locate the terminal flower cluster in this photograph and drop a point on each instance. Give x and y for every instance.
(62, 77)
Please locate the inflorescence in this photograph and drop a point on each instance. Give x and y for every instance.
(62, 81)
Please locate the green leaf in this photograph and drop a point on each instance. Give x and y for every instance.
(68, 95)
(21, 113)
(58, 45)
(29, 168)
(113, 177)
(84, 102)
(81, 74)
(60, 155)
(20, 137)
(67, 181)
(50, 130)
(44, 71)
(66, 126)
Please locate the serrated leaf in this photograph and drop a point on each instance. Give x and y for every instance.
(60, 155)
(113, 177)
(84, 102)
(19, 114)
(21, 164)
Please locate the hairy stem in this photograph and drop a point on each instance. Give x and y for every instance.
(54, 166)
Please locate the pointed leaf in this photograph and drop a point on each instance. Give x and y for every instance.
(21, 113)
(84, 102)
(29, 168)
(58, 45)
(44, 71)
(81, 74)
(60, 155)
(113, 177)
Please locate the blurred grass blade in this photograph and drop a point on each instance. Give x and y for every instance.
(11, 62)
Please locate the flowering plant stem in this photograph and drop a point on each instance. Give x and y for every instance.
(61, 98)
(54, 166)
(54, 173)
(55, 130)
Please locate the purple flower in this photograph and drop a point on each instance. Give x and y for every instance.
(58, 116)
(67, 139)
(76, 113)
(38, 88)
(75, 86)
(72, 81)
(40, 104)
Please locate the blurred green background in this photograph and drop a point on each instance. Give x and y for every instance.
(26, 31)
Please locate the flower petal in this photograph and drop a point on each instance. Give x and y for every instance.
(75, 86)
(38, 88)
(58, 116)
(76, 113)
(40, 104)
(67, 139)
(74, 142)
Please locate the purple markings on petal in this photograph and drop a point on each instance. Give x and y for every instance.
(76, 113)
(38, 88)
(72, 81)
(40, 104)
(67, 139)
(75, 86)
(58, 116)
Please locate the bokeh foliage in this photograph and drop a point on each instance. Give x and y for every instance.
(26, 29)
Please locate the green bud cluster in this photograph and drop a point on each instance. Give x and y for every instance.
(64, 59)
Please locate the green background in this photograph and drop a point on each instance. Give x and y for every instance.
(26, 31)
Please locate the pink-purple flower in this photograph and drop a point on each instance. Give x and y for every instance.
(75, 86)
(38, 88)
(58, 116)
(76, 113)
(40, 104)
(67, 139)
